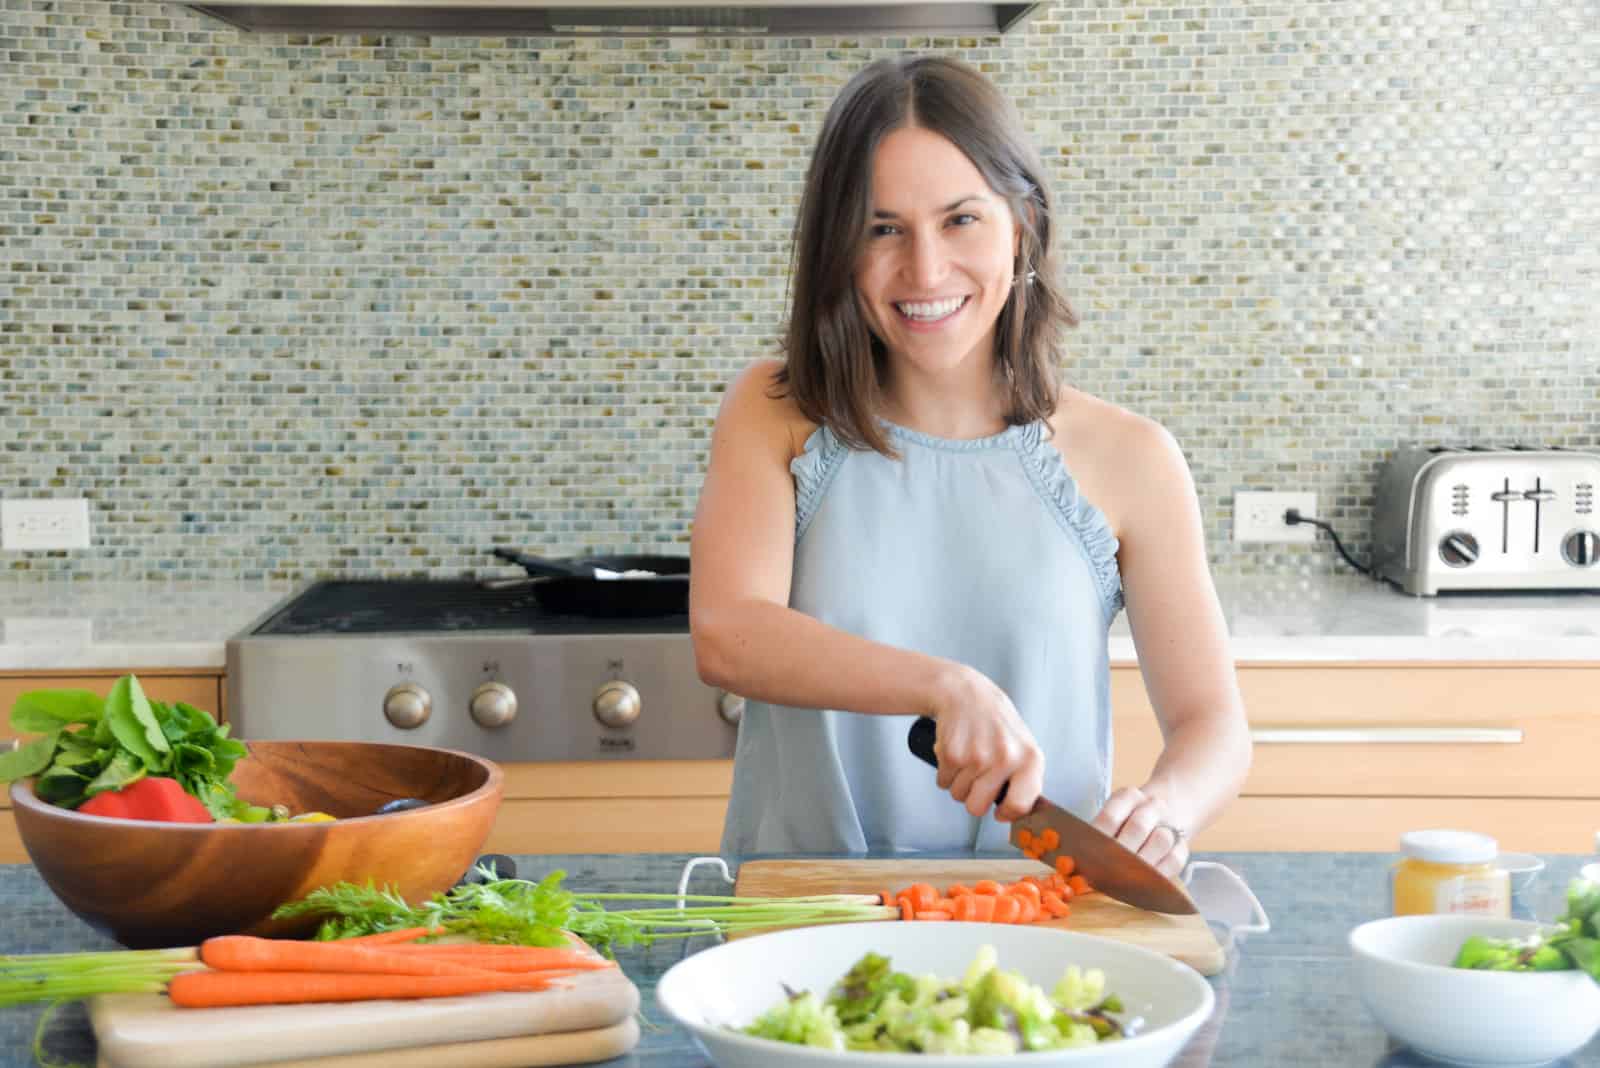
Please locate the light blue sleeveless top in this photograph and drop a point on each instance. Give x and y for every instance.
(981, 551)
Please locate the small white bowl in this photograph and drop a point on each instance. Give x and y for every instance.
(1461, 1016)
(728, 986)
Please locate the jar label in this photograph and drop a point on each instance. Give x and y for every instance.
(1487, 896)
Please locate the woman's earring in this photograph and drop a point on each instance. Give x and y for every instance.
(1026, 279)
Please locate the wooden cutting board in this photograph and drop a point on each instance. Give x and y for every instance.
(1185, 938)
(528, 1051)
(148, 1031)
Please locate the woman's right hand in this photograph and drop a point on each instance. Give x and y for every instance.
(983, 743)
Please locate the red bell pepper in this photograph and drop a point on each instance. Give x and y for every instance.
(151, 798)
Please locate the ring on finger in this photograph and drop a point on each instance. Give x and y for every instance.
(1179, 835)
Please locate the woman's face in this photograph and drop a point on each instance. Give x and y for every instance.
(938, 262)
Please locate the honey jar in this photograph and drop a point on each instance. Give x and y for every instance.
(1449, 871)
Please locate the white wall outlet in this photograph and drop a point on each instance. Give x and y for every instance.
(1258, 517)
(44, 523)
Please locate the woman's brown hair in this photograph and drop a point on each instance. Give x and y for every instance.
(833, 365)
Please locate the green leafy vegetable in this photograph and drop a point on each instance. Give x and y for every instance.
(1571, 942)
(537, 913)
(29, 759)
(988, 1011)
(49, 710)
(119, 741)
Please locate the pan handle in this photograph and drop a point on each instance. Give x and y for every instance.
(539, 567)
(924, 732)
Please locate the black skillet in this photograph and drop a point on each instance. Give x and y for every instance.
(569, 587)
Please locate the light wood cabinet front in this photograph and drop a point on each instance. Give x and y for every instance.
(1348, 757)
(660, 806)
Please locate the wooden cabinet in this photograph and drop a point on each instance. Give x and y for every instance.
(201, 689)
(658, 806)
(1349, 756)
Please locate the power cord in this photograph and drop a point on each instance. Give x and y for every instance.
(1293, 518)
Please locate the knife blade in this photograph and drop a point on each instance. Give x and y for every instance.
(1111, 867)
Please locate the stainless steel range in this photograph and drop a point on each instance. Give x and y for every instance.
(465, 665)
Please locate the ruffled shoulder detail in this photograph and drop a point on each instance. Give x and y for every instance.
(1077, 514)
(813, 469)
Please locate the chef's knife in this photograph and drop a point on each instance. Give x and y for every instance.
(1111, 867)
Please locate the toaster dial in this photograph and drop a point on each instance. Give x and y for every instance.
(1581, 547)
(1458, 548)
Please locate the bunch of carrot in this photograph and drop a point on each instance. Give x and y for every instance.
(1030, 899)
(243, 970)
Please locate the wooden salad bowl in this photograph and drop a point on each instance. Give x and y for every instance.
(149, 884)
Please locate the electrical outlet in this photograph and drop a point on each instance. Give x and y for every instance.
(1258, 517)
(44, 523)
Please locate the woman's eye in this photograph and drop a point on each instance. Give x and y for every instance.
(882, 230)
(964, 219)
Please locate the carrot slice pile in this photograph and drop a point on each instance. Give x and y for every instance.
(1031, 899)
(243, 970)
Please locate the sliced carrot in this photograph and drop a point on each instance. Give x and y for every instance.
(1056, 906)
(933, 914)
(958, 890)
(1065, 866)
(1025, 838)
(966, 907)
(1007, 909)
(1049, 838)
(213, 989)
(1080, 885)
(1031, 909)
(986, 886)
(908, 911)
(886, 897)
(1026, 888)
(245, 953)
(922, 896)
(983, 907)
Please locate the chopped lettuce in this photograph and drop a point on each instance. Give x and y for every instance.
(987, 1011)
(1572, 942)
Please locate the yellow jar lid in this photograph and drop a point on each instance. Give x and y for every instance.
(1449, 847)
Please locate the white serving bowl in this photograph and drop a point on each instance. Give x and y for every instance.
(1503, 1019)
(728, 986)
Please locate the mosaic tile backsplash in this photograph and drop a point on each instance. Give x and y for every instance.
(285, 306)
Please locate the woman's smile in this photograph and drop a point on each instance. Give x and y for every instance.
(927, 316)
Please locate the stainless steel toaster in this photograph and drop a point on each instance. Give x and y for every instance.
(1509, 517)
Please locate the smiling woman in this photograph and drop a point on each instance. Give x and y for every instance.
(912, 514)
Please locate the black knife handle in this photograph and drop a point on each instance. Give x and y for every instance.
(924, 732)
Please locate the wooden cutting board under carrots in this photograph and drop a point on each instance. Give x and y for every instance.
(589, 1018)
(1184, 938)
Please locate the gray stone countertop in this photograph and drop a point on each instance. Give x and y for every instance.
(62, 626)
(1285, 997)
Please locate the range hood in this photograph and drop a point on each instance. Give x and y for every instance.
(619, 17)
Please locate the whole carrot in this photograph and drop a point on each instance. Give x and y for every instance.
(245, 953)
(511, 962)
(389, 938)
(205, 990)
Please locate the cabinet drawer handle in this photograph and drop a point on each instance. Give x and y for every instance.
(1384, 735)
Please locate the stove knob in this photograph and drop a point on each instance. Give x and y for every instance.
(617, 704)
(407, 706)
(493, 705)
(1581, 548)
(1458, 549)
(730, 706)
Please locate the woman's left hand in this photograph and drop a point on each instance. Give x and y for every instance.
(1145, 824)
